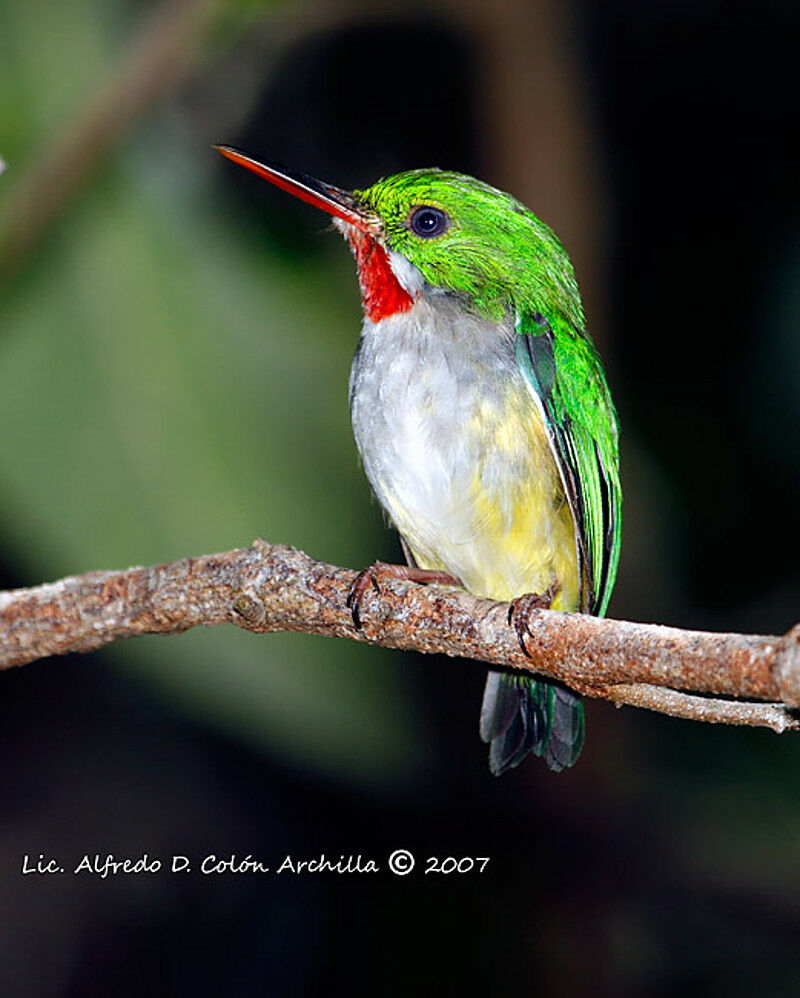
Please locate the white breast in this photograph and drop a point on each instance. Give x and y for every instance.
(427, 389)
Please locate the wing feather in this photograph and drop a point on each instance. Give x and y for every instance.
(570, 390)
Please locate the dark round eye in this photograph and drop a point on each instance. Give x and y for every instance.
(428, 222)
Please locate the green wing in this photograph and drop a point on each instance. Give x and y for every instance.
(564, 372)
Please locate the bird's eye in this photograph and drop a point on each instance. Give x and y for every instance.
(428, 222)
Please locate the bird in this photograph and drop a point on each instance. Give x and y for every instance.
(482, 416)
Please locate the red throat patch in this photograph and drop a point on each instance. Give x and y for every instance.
(382, 294)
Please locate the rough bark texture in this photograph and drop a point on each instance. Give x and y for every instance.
(277, 588)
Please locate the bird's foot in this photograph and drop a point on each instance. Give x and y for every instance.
(370, 576)
(521, 608)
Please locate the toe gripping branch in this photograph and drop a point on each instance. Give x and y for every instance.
(521, 608)
(370, 578)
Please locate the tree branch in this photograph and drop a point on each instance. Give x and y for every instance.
(276, 588)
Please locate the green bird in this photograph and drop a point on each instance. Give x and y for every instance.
(482, 416)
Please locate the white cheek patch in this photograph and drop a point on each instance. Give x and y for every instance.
(344, 227)
(409, 276)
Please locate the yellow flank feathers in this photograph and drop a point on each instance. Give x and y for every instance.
(521, 536)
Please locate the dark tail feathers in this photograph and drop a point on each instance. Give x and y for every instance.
(521, 715)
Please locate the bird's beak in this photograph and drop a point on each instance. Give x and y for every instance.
(333, 200)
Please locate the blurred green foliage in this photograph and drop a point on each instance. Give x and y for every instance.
(168, 388)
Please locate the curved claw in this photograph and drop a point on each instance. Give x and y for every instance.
(521, 608)
(361, 583)
(369, 577)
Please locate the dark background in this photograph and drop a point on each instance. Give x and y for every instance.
(174, 344)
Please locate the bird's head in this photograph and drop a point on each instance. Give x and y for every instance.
(428, 232)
